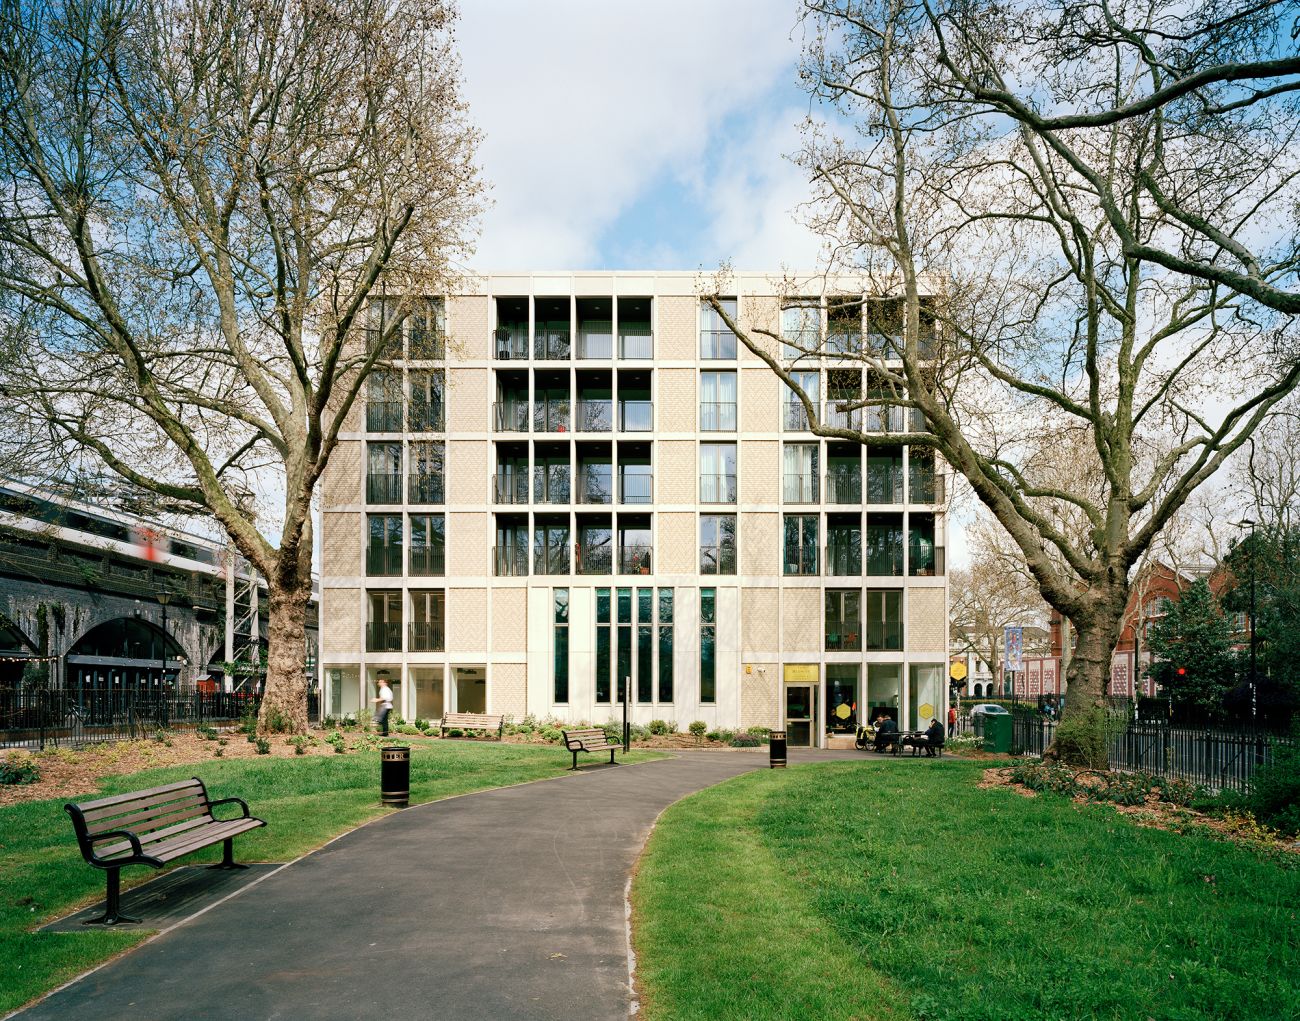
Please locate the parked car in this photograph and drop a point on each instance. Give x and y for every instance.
(988, 709)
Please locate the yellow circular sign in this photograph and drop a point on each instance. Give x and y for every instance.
(843, 711)
(957, 671)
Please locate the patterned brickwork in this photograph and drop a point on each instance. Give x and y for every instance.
(676, 481)
(801, 622)
(676, 545)
(759, 401)
(763, 313)
(675, 405)
(467, 620)
(340, 621)
(508, 692)
(760, 466)
(467, 328)
(679, 329)
(469, 549)
(467, 472)
(758, 621)
(341, 484)
(927, 629)
(509, 620)
(760, 697)
(468, 404)
(760, 544)
(341, 542)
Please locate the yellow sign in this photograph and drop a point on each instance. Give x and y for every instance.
(801, 672)
(843, 711)
(957, 671)
(925, 712)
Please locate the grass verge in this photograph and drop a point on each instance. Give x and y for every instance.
(305, 801)
(847, 890)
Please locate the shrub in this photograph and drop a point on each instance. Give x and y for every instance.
(16, 770)
(336, 741)
(300, 743)
(1084, 739)
(206, 732)
(421, 723)
(760, 731)
(218, 751)
(1274, 793)
(248, 720)
(723, 735)
(263, 746)
(404, 728)
(276, 721)
(660, 727)
(698, 728)
(161, 737)
(552, 734)
(745, 741)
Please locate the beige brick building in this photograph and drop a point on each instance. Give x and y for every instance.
(563, 480)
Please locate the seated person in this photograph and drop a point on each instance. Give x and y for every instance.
(886, 732)
(933, 739)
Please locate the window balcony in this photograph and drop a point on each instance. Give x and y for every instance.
(509, 562)
(717, 417)
(595, 344)
(635, 489)
(843, 560)
(634, 559)
(383, 487)
(927, 488)
(425, 343)
(510, 487)
(426, 636)
(635, 341)
(925, 560)
(384, 561)
(843, 635)
(425, 417)
(552, 560)
(511, 343)
(384, 636)
(594, 559)
(551, 484)
(595, 487)
(551, 344)
(797, 344)
(844, 486)
(383, 416)
(428, 561)
(843, 340)
(884, 419)
(510, 417)
(800, 488)
(718, 489)
(718, 559)
(636, 416)
(800, 563)
(836, 419)
(717, 345)
(884, 559)
(551, 417)
(794, 419)
(595, 416)
(425, 488)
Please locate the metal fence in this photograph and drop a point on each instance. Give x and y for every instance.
(70, 717)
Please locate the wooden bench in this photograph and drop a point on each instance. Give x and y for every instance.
(592, 739)
(153, 827)
(918, 742)
(471, 721)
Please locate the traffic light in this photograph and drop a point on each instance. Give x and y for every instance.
(1181, 671)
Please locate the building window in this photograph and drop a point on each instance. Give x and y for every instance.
(426, 412)
(551, 548)
(384, 622)
(665, 645)
(427, 462)
(623, 599)
(717, 402)
(800, 546)
(717, 544)
(383, 473)
(645, 644)
(561, 645)
(843, 620)
(884, 475)
(796, 418)
(801, 328)
(425, 329)
(716, 341)
(885, 545)
(708, 645)
(384, 551)
(717, 473)
(428, 616)
(884, 620)
(384, 402)
(428, 544)
(802, 472)
(602, 645)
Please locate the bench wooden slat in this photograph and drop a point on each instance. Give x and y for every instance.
(152, 818)
(122, 803)
(202, 838)
(87, 807)
(149, 840)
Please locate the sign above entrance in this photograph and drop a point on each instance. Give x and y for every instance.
(957, 671)
(805, 673)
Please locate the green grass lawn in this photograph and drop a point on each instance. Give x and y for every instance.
(305, 801)
(901, 890)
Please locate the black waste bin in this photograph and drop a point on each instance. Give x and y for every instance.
(776, 749)
(395, 776)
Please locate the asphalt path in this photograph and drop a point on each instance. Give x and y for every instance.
(503, 904)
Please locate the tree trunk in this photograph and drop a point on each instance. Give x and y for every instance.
(1083, 737)
(284, 702)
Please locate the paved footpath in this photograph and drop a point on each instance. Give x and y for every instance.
(503, 904)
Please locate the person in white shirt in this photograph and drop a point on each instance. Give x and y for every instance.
(385, 706)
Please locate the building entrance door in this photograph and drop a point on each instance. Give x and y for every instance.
(800, 715)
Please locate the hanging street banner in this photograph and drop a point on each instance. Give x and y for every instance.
(1014, 640)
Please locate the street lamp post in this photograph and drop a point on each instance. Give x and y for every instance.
(1253, 675)
(164, 597)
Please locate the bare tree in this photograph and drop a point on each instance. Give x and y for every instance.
(204, 198)
(1084, 387)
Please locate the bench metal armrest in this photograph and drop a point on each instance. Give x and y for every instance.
(231, 801)
(136, 848)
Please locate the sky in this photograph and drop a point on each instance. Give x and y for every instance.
(623, 135)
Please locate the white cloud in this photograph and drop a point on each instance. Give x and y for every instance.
(588, 105)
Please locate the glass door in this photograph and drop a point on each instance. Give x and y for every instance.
(800, 715)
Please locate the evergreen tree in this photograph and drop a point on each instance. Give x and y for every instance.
(1193, 646)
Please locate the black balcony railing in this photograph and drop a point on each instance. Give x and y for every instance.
(843, 340)
(717, 488)
(800, 487)
(383, 487)
(551, 344)
(551, 484)
(595, 486)
(595, 345)
(510, 487)
(843, 635)
(426, 417)
(597, 559)
(384, 560)
(510, 561)
(428, 561)
(551, 560)
(635, 559)
(426, 636)
(794, 418)
(636, 488)
(510, 417)
(425, 343)
(925, 560)
(836, 419)
(383, 416)
(844, 559)
(717, 416)
(800, 561)
(551, 417)
(885, 484)
(717, 344)
(927, 488)
(424, 488)
(594, 416)
(636, 416)
(384, 636)
(718, 559)
(511, 343)
(635, 341)
(882, 419)
(844, 486)
(885, 559)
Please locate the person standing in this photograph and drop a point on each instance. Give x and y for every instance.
(385, 706)
(952, 721)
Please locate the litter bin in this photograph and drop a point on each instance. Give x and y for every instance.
(997, 733)
(776, 749)
(395, 776)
